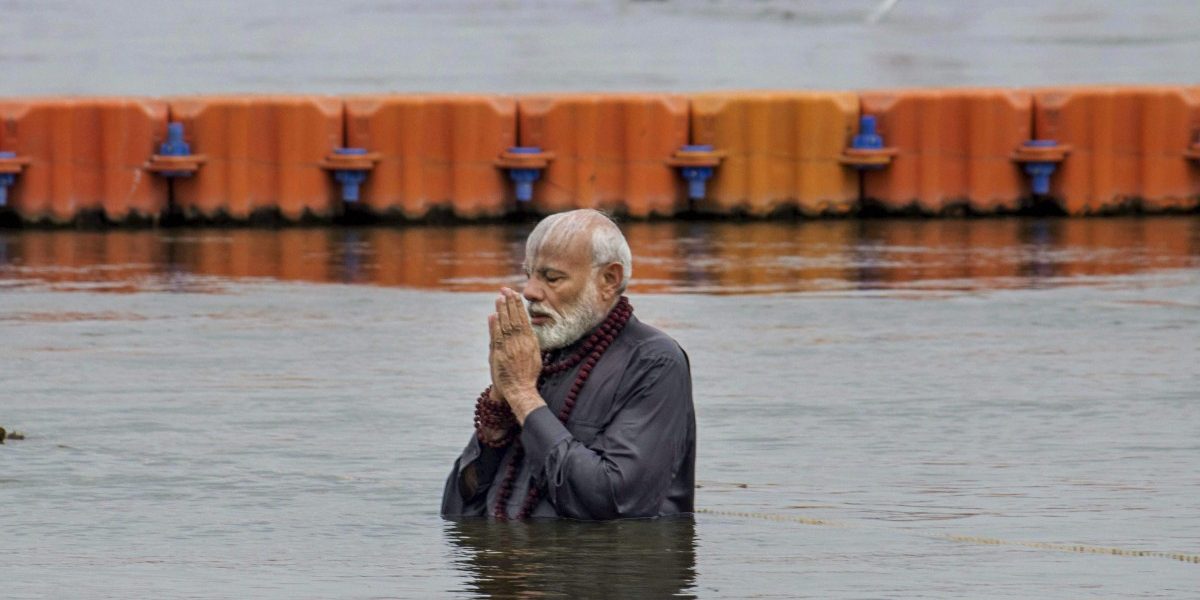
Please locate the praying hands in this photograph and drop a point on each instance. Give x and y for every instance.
(514, 356)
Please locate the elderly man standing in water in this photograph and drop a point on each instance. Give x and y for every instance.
(589, 415)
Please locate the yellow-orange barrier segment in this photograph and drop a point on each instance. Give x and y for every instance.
(610, 151)
(781, 151)
(435, 152)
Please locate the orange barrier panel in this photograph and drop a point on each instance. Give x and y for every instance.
(1130, 149)
(1127, 146)
(781, 151)
(263, 153)
(435, 152)
(954, 147)
(610, 151)
(85, 155)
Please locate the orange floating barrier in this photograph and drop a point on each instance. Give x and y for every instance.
(609, 151)
(81, 156)
(264, 153)
(954, 149)
(1097, 150)
(436, 152)
(1130, 147)
(782, 151)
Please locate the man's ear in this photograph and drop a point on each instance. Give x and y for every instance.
(610, 281)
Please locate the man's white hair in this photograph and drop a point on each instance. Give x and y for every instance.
(608, 243)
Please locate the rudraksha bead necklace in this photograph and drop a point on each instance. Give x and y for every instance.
(589, 354)
(494, 416)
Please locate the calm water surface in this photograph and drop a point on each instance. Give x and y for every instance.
(508, 46)
(271, 414)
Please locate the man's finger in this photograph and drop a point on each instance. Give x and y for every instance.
(522, 313)
(502, 313)
(515, 308)
(493, 328)
(504, 310)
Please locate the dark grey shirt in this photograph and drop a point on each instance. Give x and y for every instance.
(628, 449)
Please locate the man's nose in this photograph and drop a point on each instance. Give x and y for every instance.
(532, 291)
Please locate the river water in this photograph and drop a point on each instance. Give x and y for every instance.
(244, 413)
(509, 46)
(271, 413)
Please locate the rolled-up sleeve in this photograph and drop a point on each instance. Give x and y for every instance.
(627, 469)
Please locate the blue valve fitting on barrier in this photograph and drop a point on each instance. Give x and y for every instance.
(524, 165)
(175, 146)
(868, 137)
(6, 179)
(174, 158)
(1039, 172)
(866, 151)
(350, 167)
(696, 163)
(697, 177)
(523, 178)
(1039, 159)
(350, 179)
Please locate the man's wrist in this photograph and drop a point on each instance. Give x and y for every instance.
(525, 402)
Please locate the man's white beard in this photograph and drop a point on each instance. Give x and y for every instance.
(572, 323)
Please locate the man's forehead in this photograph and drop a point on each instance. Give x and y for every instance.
(560, 254)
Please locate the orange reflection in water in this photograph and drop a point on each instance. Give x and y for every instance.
(704, 257)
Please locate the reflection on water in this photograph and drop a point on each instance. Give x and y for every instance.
(727, 258)
(568, 559)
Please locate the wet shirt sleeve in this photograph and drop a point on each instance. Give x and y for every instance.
(465, 493)
(626, 471)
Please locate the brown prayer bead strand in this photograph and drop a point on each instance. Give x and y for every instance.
(494, 416)
(510, 475)
(604, 336)
(530, 503)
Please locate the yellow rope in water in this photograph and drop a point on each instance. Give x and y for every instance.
(770, 517)
(970, 539)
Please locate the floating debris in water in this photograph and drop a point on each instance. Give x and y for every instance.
(15, 435)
